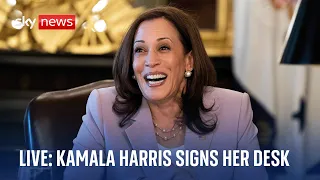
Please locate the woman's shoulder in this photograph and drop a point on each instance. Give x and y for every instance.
(107, 92)
(102, 96)
(224, 96)
(227, 103)
(232, 109)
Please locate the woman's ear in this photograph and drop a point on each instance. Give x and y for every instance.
(189, 61)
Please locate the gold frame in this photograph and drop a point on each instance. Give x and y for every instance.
(218, 42)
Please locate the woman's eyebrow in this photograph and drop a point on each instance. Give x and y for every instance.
(139, 41)
(162, 38)
(159, 39)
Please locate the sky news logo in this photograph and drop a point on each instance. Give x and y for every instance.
(47, 22)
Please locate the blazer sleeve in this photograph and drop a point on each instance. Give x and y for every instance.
(247, 140)
(90, 137)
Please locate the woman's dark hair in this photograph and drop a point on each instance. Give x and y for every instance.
(129, 96)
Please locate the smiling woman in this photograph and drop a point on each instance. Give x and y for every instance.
(159, 65)
(164, 99)
(159, 59)
(161, 43)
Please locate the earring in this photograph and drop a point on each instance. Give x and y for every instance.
(187, 74)
(133, 77)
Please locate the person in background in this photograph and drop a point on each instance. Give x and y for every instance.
(165, 98)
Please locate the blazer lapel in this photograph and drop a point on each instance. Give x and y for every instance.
(141, 135)
(195, 141)
(141, 132)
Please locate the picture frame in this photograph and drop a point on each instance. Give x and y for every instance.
(218, 40)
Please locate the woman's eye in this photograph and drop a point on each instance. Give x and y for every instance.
(164, 48)
(138, 50)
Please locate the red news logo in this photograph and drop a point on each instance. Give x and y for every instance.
(66, 22)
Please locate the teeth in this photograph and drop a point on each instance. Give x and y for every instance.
(155, 82)
(156, 76)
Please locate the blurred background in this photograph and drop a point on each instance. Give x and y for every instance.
(243, 38)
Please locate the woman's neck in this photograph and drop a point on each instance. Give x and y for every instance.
(166, 114)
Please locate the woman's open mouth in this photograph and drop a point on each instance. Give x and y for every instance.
(155, 79)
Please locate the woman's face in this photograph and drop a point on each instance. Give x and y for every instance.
(159, 60)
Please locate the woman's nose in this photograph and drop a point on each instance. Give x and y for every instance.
(152, 59)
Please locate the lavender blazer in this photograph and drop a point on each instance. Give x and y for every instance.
(100, 131)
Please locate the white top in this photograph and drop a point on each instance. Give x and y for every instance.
(173, 151)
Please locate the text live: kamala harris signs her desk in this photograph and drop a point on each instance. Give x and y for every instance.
(154, 158)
